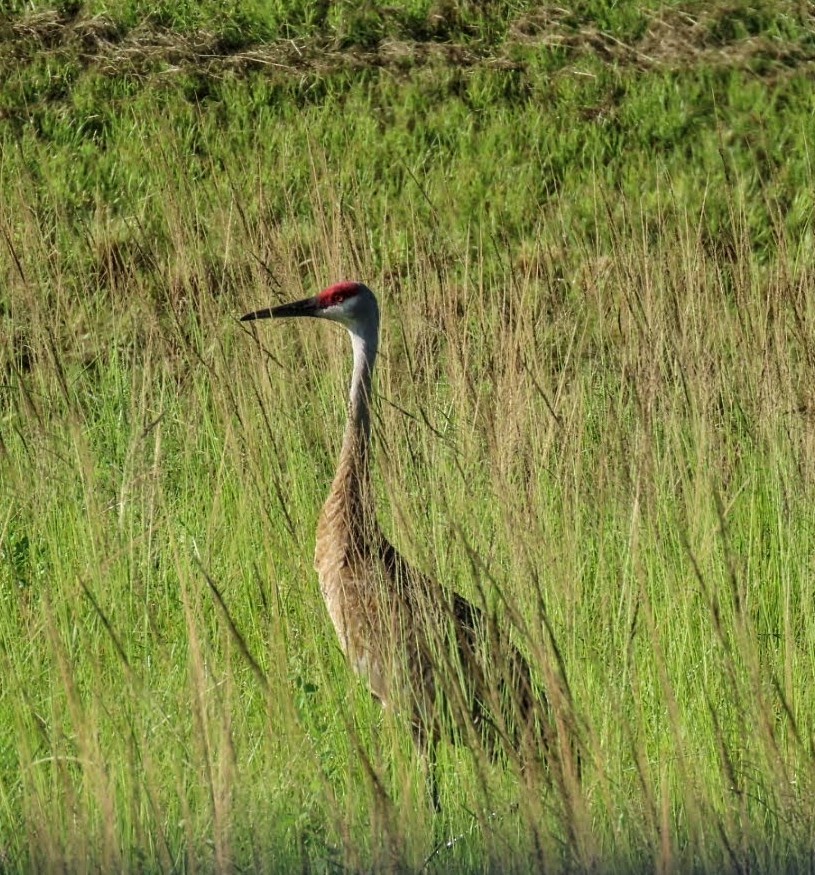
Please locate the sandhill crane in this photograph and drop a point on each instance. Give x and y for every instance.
(423, 650)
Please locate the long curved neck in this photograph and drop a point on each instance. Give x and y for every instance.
(351, 490)
(358, 428)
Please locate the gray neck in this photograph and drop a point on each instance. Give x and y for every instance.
(358, 428)
(352, 481)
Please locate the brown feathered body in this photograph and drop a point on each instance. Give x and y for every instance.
(421, 649)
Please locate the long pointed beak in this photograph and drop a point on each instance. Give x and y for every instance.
(307, 307)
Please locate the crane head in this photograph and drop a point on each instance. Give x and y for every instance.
(352, 304)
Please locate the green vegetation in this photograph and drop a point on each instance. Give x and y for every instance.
(590, 231)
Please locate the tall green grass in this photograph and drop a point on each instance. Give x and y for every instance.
(618, 442)
(594, 416)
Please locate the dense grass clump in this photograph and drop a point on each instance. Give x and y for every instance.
(590, 232)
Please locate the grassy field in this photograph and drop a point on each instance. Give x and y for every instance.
(591, 234)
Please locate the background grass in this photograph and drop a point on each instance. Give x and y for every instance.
(590, 231)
